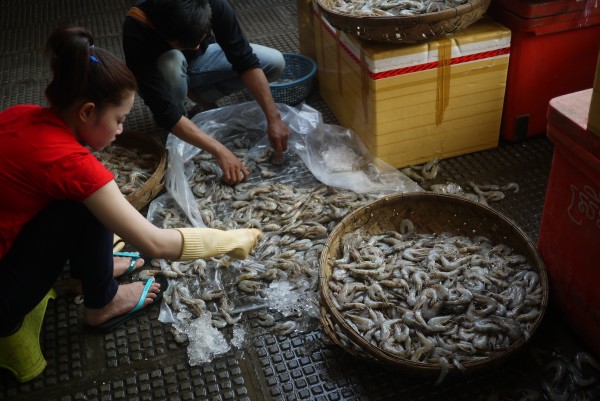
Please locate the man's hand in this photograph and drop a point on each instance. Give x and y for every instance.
(233, 169)
(278, 138)
(278, 131)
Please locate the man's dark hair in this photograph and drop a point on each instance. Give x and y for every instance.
(182, 21)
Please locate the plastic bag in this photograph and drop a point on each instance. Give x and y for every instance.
(332, 154)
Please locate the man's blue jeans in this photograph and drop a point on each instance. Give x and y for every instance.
(211, 77)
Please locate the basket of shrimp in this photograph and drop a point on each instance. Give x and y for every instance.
(402, 21)
(432, 284)
(138, 162)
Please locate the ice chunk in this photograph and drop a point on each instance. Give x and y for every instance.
(280, 297)
(205, 341)
(239, 336)
(289, 300)
(448, 188)
(342, 158)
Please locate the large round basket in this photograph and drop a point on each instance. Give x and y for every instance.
(405, 29)
(148, 145)
(430, 213)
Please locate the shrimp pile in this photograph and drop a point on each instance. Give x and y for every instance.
(392, 8)
(441, 299)
(296, 215)
(296, 222)
(572, 378)
(482, 193)
(131, 166)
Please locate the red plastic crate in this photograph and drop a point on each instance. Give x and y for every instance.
(550, 8)
(554, 48)
(569, 237)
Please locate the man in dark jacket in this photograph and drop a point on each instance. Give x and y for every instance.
(196, 49)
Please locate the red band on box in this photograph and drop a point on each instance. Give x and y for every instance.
(420, 67)
(435, 64)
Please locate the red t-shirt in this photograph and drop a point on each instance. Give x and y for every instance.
(40, 161)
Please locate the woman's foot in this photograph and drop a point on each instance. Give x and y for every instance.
(121, 265)
(126, 298)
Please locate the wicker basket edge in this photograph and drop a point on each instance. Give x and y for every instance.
(155, 184)
(406, 29)
(365, 214)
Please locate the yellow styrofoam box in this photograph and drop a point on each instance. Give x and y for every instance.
(415, 103)
(306, 35)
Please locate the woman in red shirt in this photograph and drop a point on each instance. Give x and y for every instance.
(59, 203)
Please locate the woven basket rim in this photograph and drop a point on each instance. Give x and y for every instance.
(411, 19)
(406, 29)
(385, 357)
(295, 56)
(330, 331)
(152, 187)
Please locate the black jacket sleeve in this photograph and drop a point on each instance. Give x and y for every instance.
(228, 34)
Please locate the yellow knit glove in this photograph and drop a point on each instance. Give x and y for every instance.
(118, 243)
(201, 243)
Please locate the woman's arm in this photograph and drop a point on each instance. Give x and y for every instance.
(112, 209)
(117, 214)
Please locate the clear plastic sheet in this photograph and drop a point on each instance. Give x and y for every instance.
(334, 155)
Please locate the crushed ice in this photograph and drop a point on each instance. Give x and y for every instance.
(239, 335)
(290, 299)
(205, 341)
(342, 158)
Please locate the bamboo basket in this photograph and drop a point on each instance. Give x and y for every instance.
(430, 213)
(155, 184)
(405, 29)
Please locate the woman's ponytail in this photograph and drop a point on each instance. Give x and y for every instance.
(82, 71)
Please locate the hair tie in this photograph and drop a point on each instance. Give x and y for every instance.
(93, 58)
